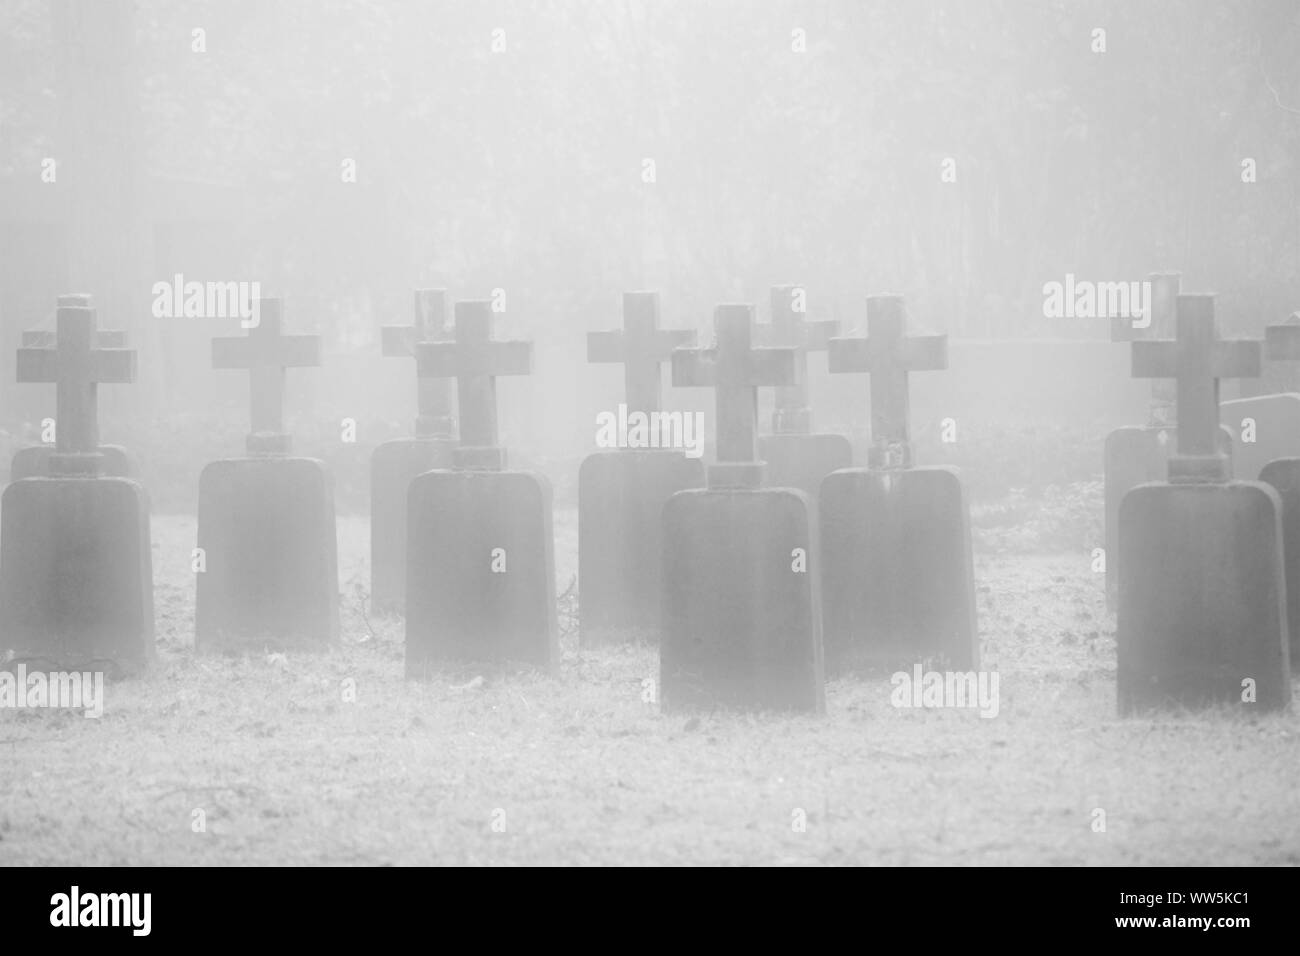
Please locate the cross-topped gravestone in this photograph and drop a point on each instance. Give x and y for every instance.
(76, 582)
(622, 492)
(735, 369)
(35, 460)
(1202, 615)
(1268, 422)
(742, 621)
(475, 360)
(897, 565)
(888, 355)
(76, 366)
(395, 463)
(266, 353)
(642, 347)
(436, 416)
(795, 457)
(266, 522)
(480, 569)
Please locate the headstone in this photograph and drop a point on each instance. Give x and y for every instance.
(395, 463)
(34, 460)
(622, 493)
(480, 578)
(1136, 454)
(742, 621)
(897, 568)
(1202, 594)
(1277, 417)
(1267, 426)
(76, 568)
(794, 456)
(266, 531)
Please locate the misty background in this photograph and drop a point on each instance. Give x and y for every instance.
(523, 170)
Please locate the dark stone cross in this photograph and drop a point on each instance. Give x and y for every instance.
(792, 415)
(265, 352)
(435, 416)
(642, 347)
(1197, 358)
(888, 354)
(736, 370)
(76, 366)
(475, 360)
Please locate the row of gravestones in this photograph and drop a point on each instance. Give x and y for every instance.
(733, 575)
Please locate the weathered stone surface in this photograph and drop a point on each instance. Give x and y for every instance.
(480, 582)
(76, 574)
(266, 527)
(621, 498)
(897, 570)
(802, 461)
(742, 627)
(1277, 431)
(1283, 476)
(34, 462)
(1135, 456)
(1202, 597)
(392, 466)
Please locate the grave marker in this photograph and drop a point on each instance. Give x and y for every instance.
(742, 621)
(1274, 419)
(622, 493)
(897, 567)
(1202, 594)
(396, 462)
(795, 457)
(1137, 454)
(76, 576)
(480, 583)
(266, 521)
(33, 461)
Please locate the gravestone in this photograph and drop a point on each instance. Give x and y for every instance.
(793, 455)
(622, 493)
(897, 568)
(741, 609)
(1283, 473)
(76, 568)
(34, 460)
(1137, 454)
(1202, 593)
(269, 577)
(480, 566)
(1267, 426)
(395, 463)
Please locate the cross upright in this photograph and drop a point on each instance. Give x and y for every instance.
(736, 370)
(1197, 358)
(791, 414)
(888, 354)
(76, 366)
(434, 416)
(475, 360)
(642, 347)
(265, 352)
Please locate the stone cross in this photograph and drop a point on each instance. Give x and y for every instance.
(434, 416)
(1197, 358)
(76, 366)
(736, 370)
(265, 352)
(888, 354)
(792, 414)
(475, 360)
(642, 347)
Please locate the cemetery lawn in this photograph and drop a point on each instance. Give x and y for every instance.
(580, 770)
